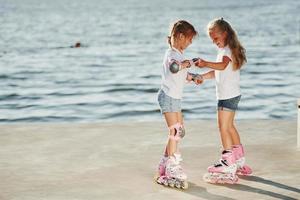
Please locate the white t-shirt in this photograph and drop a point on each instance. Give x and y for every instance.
(227, 80)
(172, 84)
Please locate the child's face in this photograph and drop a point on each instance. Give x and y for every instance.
(218, 37)
(185, 41)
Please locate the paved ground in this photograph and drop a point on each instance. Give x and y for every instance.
(117, 161)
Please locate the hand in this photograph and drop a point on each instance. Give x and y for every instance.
(198, 80)
(189, 77)
(186, 64)
(201, 63)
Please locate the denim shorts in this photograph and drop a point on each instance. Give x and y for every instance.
(229, 104)
(167, 103)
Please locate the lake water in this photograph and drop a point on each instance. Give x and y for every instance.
(116, 73)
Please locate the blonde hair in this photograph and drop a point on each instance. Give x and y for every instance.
(182, 27)
(237, 50)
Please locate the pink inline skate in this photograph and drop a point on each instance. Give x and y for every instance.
(172, 175)
(162, 166)
(242, 169)
(224, 171)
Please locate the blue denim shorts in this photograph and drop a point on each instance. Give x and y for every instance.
(229, 104)
(167, 103)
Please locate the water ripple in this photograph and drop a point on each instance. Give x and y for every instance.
(116, 73)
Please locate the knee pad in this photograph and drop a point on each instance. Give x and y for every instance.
(182, 131)
(179, 131)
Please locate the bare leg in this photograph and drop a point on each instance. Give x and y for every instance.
(225, 121)
(171, 119)
(233, 131)
(180, 120)
(234, 135)
(180, 117)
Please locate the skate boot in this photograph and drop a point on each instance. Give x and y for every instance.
(174, 175)
(224, 171)
(242, 169)
(161, 169)
(162, 166)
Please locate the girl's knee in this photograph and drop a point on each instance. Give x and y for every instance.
(231, 129)
(176, 131)
(224, 129)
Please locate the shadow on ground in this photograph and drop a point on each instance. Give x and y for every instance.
(269, 182)
(201, 192)
(247, 188)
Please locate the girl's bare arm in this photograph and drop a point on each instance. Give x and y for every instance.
(214, 65)
(209, 75)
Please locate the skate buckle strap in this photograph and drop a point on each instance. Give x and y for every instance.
(229, 157)
(221, 163)
(178, 157)
(224, 162)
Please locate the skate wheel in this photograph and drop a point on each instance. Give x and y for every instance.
(161, 180)
(220, 178)
(171, 183)
(178, 184)
(207, 177)
(185, 185)
(156, 177)
(233, 179)
(166, 183)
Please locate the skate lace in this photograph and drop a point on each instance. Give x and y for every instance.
(220, 163)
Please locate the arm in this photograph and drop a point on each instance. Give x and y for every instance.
(214, 65)
(176, 66)
(209, 75)
(186, 64)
